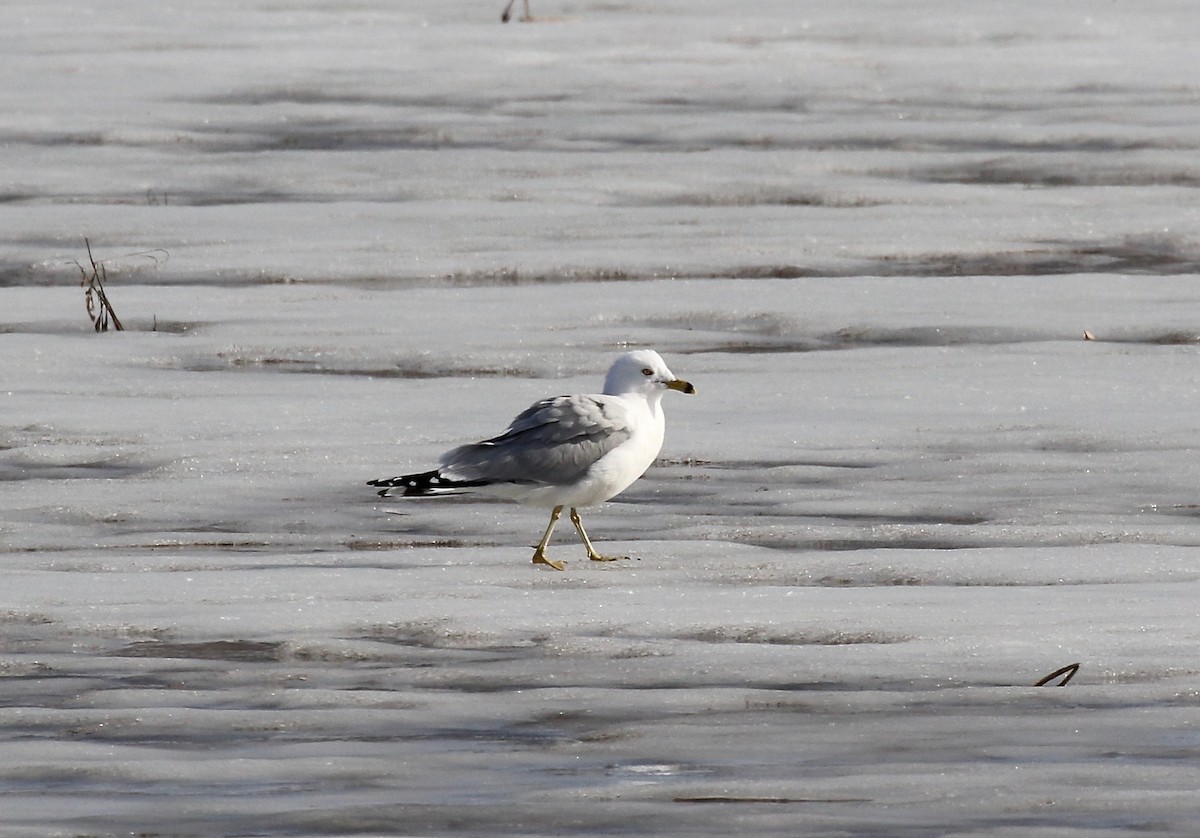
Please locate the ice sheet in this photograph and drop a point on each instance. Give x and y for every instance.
(931, 267)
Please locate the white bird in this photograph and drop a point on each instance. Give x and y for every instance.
(567, 451)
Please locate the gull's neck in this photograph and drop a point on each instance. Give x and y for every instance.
(654, 401)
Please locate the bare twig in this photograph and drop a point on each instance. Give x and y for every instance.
(1066, 673)
(99, 308)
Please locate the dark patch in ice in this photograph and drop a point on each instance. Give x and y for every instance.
(81, 326)
(170, 327)
(915, 519)
(727, 799)
(756, 335)
(461, 101)
(768, 271)
(1173, 339)
(765, 196)
(1141, 254)
(57, 138)
(422, 373)
(775, 637)
(1182, 510)
(1153, 254)
(243, 651)
(245, 545)
(516, 277)
(139, 267)
(223, 362)
(1148, 338)
(511, 817)
(875, 581)
(857, 337)
(12, 276)
(1075, 445)
(188, 198)
(314, 133)
(1149, 254)
(20, 274)
(759, 323)
(335, 135)
(438, 634)
(901, 541)
(113, 468)
(925, 336)
(1070, 172)
(233, 198)
(9, 618)
(394, 544)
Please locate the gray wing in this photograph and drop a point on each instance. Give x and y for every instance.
(553, 442)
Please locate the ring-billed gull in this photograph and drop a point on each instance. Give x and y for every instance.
(567, 451)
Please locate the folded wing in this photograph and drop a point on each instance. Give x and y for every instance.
(554, 442)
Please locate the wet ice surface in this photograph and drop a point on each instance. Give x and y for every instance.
(907, 489)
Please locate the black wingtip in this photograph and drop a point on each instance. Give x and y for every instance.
(408, 485)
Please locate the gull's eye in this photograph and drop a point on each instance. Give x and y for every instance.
(647, 371)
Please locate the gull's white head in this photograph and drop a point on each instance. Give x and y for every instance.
(642, 371)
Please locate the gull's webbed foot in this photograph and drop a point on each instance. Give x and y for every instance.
(596, 557)
(540, 557)
(587, 542)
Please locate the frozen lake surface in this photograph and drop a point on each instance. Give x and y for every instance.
(345, 237)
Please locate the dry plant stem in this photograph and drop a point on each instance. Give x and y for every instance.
(99, 309)
(1066, 673)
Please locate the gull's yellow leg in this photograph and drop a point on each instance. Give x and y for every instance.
(587, 543)
(539, 555)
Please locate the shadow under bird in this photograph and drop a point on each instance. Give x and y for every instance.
(562, 452)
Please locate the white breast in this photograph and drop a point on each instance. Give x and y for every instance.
(616, 470)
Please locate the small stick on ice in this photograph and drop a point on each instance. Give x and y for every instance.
(1066, 673)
